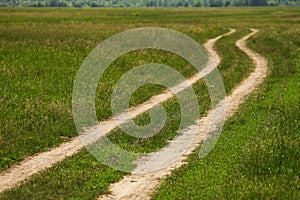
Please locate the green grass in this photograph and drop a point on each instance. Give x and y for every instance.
(257, 155)
(39, 62)
(233, 58)
(79, 177)
(233, 71)
(41, 51)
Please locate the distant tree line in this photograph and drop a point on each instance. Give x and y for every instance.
(144, 3)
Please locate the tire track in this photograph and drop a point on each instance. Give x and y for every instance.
(140, 186)
(18, 173)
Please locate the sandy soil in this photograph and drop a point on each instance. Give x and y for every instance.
(140, 186)
(18, 173)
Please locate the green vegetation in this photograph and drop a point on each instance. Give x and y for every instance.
(89, 170)
(146, 3)
(39, 62)
(233, 71)
(78, 177)
(257, 156)
(41, 51)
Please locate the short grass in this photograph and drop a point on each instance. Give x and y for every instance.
(39, 62)
(257, 156)
(50, 44)
(42, 49)
(71, 168)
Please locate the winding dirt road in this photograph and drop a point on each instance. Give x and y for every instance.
(18, 173)
(140, 186)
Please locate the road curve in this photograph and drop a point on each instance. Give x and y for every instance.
(140, 186)
(19, 172)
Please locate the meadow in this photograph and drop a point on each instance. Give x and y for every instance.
(257, 155)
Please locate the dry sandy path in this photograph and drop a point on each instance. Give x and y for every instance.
(18, 173)
(140, 186)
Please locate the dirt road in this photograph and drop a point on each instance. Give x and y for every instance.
(18, 173)
(140, 186)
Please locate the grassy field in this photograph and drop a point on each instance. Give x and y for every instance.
(39, 62)
(257, 156)
(42, 49)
